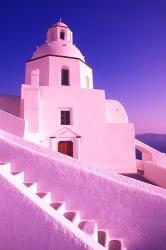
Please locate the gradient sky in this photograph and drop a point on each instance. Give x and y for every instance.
(123, 41)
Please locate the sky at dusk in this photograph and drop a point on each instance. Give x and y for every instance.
(123, 41)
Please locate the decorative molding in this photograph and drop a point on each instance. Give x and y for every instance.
(65, 133)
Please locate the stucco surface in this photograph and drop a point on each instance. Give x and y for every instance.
(25, 226)
(115, 112)
(12, 123)
(102, 143)
(131, 210)
(150, 154)
(54, 45)
(10, 104)
(106, 138)
(56, 48)
(155, 173)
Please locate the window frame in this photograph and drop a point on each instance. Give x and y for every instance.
(71, 115)
(65, 82)
(62, 35)
(65, 117)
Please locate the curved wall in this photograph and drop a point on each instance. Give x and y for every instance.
(115, 112)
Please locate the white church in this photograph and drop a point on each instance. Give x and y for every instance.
(61, 143)
(66, 114)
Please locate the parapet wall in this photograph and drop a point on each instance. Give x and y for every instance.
(10, 104)
(133, 211)
(25, 226)
(12, 124)
(155, 173)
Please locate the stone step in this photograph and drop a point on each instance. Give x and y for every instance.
(89, 227)
(5, 166)
(103, 238)
(32, 186)
(73, 216)
(19, 176)
(44, 196)
(59, 206)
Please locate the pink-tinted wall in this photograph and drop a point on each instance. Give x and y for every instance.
(150, 154)
(12, 124)
(132, 210)
(115, 112)
(25, 226)
(10, 104)
(50, 71)
(155, 173)
(44, 71)
(101, 143)
(100, 131)
(153, 164)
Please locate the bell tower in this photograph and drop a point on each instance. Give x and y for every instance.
(56, 70)
(59, 32)
(58, 61)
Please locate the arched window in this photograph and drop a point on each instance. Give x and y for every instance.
(64, 77)
(62, 35)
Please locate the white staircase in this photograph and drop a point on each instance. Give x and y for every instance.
(88, 230)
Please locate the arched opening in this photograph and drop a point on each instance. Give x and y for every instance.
(65, 147)
(138, 154)
(143, 153)
(64, 77)
(62, 35)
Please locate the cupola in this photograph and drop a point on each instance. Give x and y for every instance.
(59, 32)
(59, 42)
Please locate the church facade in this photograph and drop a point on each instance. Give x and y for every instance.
(66, 114)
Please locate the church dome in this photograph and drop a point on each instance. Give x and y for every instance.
(58, 49)
(59, 42)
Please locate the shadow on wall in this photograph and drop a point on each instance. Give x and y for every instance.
(10, 104)
(121, 203)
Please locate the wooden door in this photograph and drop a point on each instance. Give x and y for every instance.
(65, 147)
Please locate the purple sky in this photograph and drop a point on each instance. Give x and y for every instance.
(123, 41)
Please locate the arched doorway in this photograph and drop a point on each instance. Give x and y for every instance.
(65, 147)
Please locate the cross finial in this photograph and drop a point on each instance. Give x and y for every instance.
(60, 19)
